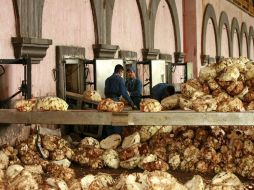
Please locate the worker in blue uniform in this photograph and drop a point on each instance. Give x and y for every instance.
(114, 89)
(161, 91)
(115, 86)
(134, 86)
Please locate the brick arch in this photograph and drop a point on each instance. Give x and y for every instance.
(224, 21)
(235, 26)
(209, 14)
(174, 15)
(244, 31)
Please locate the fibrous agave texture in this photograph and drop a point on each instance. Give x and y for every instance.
(150, 105)
(196, 183)
(89, 156)
(90, 142)
(58, 171)
(25, 105)
(111, 158)
(226, 180)
(51, 104)
(170, 102)
(110, 106)
(92, 95)
(111, 142)
(57, 183)
(204, 104)
(146, 132)
(24, 180)
(101, 181)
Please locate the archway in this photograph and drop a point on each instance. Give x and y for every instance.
(209, 14)
(235, 42)
(175, 20)
(244, 46)
(211, 38)
(251, 43)
(164, 38)
(235, 37)
(224, 42)
(244, 51)
(126, 28)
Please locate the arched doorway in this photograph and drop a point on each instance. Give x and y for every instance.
(236, 51)
(224, 42)
(211, 38)
(164, 38)
(244, 46)
(126, 28)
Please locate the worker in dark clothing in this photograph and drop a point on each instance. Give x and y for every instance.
(115, 86)
(134, 86)
(162, 90)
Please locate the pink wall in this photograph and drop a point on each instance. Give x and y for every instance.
(147, 3)
(71, 23)
(244, 46)
(9, 82)
(71, 26)
(126, 28)
(210, 40)
(164, 38)
(224, 42)
(219, 6)
(235, 46)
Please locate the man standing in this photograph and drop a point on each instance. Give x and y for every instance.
(134, 86)
(161, 91)
(115, 86)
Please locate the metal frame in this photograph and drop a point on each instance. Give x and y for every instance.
(174, 65)
(147, 62)
(26, 86)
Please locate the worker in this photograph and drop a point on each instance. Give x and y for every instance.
(134, 86)
(115, 86)
(161, 91)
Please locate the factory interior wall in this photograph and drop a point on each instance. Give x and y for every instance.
(68, 23)
(210, 39)
(164, 37)
(224, 42)
(9, 82)
(71, 23)
(242, 19)
(126, 30)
